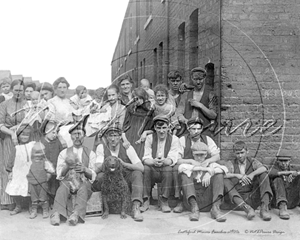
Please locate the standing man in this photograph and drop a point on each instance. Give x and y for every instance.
(244, 171)
(86, 167)
(133, 167)
(125, 84)
(161, 154)
(199, 102)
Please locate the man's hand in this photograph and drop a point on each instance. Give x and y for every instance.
(142, 138)
(126, 144)
(80, 168)
(246, 180)
(196, 104)
(158, 162)
(290, 178)
(167, 162)
(206, 180)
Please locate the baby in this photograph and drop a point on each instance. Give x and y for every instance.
(35, 109)
(75, 179)
(5, 88)
(81, 100)
(145, 84)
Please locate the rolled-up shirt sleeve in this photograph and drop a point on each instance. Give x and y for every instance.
(148, 148)
(100, 153)
(92, 166)
(257, 164)
(132, 155)
(60, 164)
(175, 150)
(212, 147)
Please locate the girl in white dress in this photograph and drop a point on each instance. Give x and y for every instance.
(18, 167)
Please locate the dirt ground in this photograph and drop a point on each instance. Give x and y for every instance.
(156, 225)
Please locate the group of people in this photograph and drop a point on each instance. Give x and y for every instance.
(53, 149)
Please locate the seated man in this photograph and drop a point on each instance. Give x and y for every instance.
(85, 167)
(243, 172)
(161, 153)
(207, 160)
(133, 167)
(285, 182)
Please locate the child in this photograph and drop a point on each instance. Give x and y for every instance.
(28, 89)
(35, 111)
(5, 88)
(113, 110)
(81, 100)
(162, 107)
(18, 167)
(53, 147)
(39, 174)
(146, 85)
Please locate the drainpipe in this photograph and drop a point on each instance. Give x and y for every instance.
(220, 72)
(167, 62)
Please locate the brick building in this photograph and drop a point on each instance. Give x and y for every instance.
(252, 47)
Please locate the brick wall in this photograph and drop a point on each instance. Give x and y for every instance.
(255, 52)
(260, 75)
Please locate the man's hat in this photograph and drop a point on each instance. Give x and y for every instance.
(283, 155)
(193, 121)
(199, 147)
(198, 69)
(161, 118)
(113, 129)
(80, 125)
(46, 86)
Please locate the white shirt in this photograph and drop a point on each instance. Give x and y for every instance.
(212, 147)
(174, 153)
(61, 162)
(131, 154)
(60, 109)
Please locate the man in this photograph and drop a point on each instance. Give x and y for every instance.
(125, 85)
(86, 167)
(133, 167)
(161, 153)
(240, 183)
(215, 188)
(285, 182)
(199, 102)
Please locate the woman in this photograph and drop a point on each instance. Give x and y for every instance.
(10, 118)
(60, 109)
(138, 118)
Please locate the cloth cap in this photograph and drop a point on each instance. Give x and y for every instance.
(193, 121)
(199, 147)
(47, 122)
(113, 129)
(283, 155)
(161, 118)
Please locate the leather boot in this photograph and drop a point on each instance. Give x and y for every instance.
(33, 213)
(145, 206)
(264, 212)
(45, 207)
(283, 213)
(137, 216)
(179, 207)
(165, 205)
(194, 216)
(249, 210)
(216, 213)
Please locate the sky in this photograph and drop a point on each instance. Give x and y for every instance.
(74, 39)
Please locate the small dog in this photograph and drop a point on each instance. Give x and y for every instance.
(114, 188)
(75, 179)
